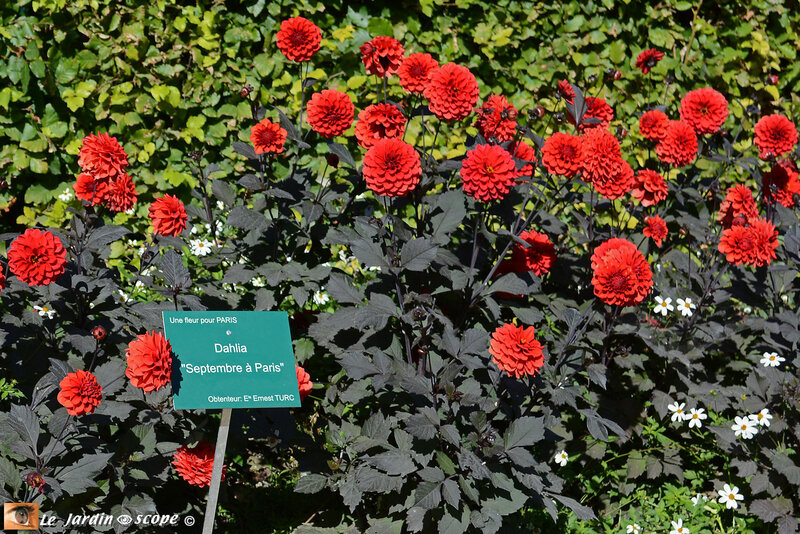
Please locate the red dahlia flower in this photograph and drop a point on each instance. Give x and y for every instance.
(168, 216)
(298, 39)
(488, 172)
(382, 56)
(656, 229)
(267, 137)
(649, 187)
(622, 276)
(37, 258)
(562, 154)
(539, 257)
(596, 108)
(2, 280)
(738, 204)
(775, 135)
(781, 184)
(648, 59)
(379, 121)
(452, 92)
(304, 383)
(80, 393)
(523, 151)
(121, 194)
(679, 145)
(653, 125)
(90, 190)
(414, 71)
(330, 112)
(603, 166)
(516, 351)
(705, 110)
(149, 359)
(102, 156)
(392, 167)
(752, 245)
(497, 118)
(566, 91)
(616, 184)
(195, 464)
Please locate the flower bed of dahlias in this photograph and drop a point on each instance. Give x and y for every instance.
(548, 321)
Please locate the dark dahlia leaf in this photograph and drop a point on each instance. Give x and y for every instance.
(25, 422)
(765, 510)
(311, 483)
(421, 111)
(286, 124)
(787, 524)
(81, 476)
(417, 254)
(279, 193)
(212, 168)
(509, 283)
(246, 219)
(428, 495)
(415, 518)
(343, 291)
(583, 512)
(448, 214)
(368, 479)
(524, 432)
(175, 272)
(342, 152)
(351, 495)
(308, 82)
(245, 150)
(251, 182)
(104, 235)
(224, 192)
(450, 525)
(451, 493)
(357, 365)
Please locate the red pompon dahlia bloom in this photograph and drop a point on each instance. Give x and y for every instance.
(781, 184)
(616, 184)
(488, 172)
(775, 135)
(601, 156)
(679, 145)
(452, 92)
(539, 257)
(121, 193)
(298, 39)
(80, 393)
(596, 108)
(414, 71)
(2, 280)
(739, 206)
(379, 121)
(566, 91)
(525, 152)
(304, 383)
(622, 276)
(648, 59)
(497, 118)
(149, 358)
(37, 257)
(392, 168)
(168, 216)
(382, 56)
(562, 154)
(90, 190)
(653, 125)
(330, 112)
(267, 137)
(102, 156)
(705, 110)
(195, 464)
(516, 351)
(649, 187)
(752, 245)
(656, 229)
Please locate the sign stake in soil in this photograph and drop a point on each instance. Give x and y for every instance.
(216, 472)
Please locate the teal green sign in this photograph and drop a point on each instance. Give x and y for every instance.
(236, 359)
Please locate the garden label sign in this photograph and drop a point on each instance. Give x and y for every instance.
(230, 359)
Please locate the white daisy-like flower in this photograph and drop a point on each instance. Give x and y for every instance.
(686, 306)
(200, 247)
(633, 528)
(141, 250)
(678, 413)
(194, 230)
(771, 359)
(129, 212)
(66, 195)
(149, 271)
(561, 458)
(320, 298)
(678, 528)
(122, 297)
(748, 310)
(45, 311)
(761, 418)
(729, 496)
(258, 281)
(220, 205)
(663, 306)
(744, 427)
(218, 224)
(695, 417)
(138, 286)
(697, 498)
(132, 243)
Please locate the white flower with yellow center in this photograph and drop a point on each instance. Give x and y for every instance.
(678, 528)
(320, 298)
(678, 412)
(744, 427)
(729, 496)
(686, 306)
(771, 359)
(561, 458)
(761, 418)
(45, 311)
(663, 306)
(66, 195)
(696, 417)
(122, 297)
(634, 529)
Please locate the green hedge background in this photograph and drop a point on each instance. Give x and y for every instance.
(163, 76)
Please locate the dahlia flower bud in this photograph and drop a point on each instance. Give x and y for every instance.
(537, 112)
(621, 132)
(591, 79)
(333, 160)
(772, 79)
(245, 91)
(559, 117)
(618, 73)
(511, 114)
(99, 333)
(36, 481)
(3, 184)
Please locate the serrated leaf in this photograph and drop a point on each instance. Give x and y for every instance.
(311, 483)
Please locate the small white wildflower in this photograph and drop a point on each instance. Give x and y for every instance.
(678, 528)
(658, 267)
(141, 250)
(320, 298)
(200, 247)
(748, 310)
(729, 496)
(785, 298)
(138, 286)
(633, 528)
(561, 458)
(761, 418)
(686, 306)
(66, 196)
(771, 359)
(744, 427)
(695, 417)
(149, 271)
(220, 205)
(45, 311)
(677, 411)
(258, 281)
(122, 297)
(697, 498)
(194, 230)
(663, 306)
(129, 212)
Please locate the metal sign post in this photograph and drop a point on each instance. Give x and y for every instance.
(216, 472)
